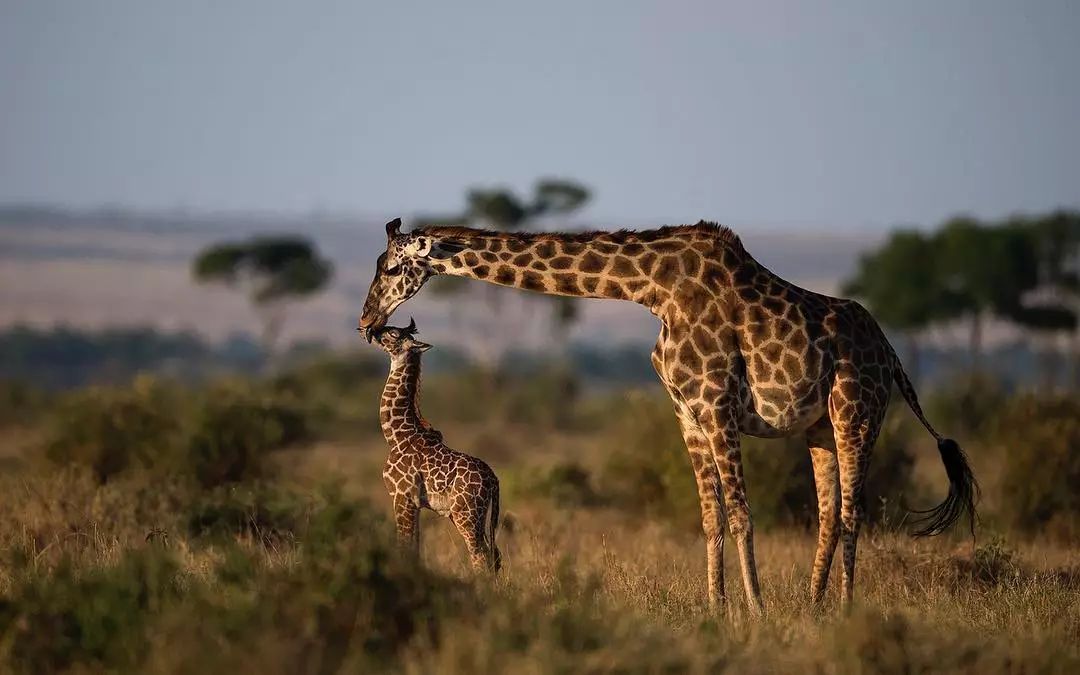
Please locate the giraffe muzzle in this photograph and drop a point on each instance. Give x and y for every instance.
(370, 326)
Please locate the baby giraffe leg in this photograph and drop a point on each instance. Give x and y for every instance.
(470, 523)
(494, 555)
(407, 521)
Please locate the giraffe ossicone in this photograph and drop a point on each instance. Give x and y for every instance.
(421, 471)
(741, 351)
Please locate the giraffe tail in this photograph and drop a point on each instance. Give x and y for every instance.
(963, 488)
(493, 526)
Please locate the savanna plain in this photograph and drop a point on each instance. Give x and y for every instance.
(240, 525)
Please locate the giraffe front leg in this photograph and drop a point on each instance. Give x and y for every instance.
(712, 508)
(407, 523)
(822, 448)
(721, 428)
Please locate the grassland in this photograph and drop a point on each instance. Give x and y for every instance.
(287, 564)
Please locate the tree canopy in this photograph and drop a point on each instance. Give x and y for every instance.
(273, 269)
(1024, 269)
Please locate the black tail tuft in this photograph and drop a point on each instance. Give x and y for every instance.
(963, 493)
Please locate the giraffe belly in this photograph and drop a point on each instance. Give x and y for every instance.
(768, 413)
(439, 502)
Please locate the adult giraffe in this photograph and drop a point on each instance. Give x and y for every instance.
(740, 351)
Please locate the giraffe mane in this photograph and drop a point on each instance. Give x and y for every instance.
(721, 233)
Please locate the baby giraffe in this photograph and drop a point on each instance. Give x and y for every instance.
(421, 471)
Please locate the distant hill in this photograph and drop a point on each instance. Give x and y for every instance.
(113, 267)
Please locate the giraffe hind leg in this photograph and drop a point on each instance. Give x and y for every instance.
(855, 435)
(822, 446)
(494, 554)
(469, 522)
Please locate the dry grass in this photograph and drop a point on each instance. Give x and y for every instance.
(583, 590)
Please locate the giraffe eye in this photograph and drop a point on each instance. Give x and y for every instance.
(392, 270)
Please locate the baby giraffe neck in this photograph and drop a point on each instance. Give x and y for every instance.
(398, 410)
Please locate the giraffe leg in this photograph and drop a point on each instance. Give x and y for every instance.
(712, 507)
(720, 426)
(407, 522)
(855, 438)
(470, 524)
(494, 554)
(827, 482)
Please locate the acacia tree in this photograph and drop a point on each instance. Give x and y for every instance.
(1021, 270)
(1051, 303)
(273, 270)
(988, 268)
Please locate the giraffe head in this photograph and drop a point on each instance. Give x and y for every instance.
(399, 341)
(400, 272)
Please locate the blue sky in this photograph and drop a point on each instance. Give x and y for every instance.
(811, 115)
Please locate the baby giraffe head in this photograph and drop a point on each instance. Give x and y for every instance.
(399, 341)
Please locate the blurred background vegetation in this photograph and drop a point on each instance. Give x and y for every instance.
(152, 477)
(191, 203)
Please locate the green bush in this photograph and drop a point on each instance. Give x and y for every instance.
(346, 602)
(260, 511)
(544, 399)
(779, 482)
(112, 429)
(890, 482)
(20, 403)
(94, 618)
(647, 468)
(1039, 438)
(234, 429)
(566, 484)
(968, 406)
(338, 393)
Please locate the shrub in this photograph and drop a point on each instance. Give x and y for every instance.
(110, 429)
(335, 392)
(779, 481)
(995, 563)
(90, 618)
(566, 484)
(647, 467)
(20, 402)
(970, 405)
(890, 477)
(233, 431)
(1040, 442)
(546, 399)
(346, 603)
(260, 511)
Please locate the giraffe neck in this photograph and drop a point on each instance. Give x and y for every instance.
(398, 410)
(644, 267)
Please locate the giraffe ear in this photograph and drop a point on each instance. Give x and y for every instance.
(445, 248)
(420, 247)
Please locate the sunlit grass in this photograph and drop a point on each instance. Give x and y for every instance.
(292, 569)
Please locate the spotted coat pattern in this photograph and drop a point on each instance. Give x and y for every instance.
(422, 472)
(741, 351)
